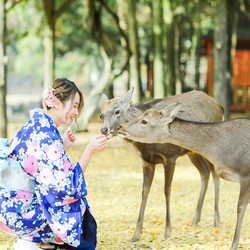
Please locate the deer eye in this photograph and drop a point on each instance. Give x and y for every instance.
(144, 122)
(101, 116)
(117, 112)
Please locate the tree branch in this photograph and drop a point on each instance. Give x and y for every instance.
(62, 9)
(206, 8)
(116, 72)
(11, 3)
(116, 18)
(243, 9)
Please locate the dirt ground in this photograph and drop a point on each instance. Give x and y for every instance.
(114, 181)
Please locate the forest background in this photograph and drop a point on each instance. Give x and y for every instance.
(155, 46)
(111, 46)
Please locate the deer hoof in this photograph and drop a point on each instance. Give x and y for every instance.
(134, 239)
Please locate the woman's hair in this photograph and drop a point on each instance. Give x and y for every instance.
(65, 90)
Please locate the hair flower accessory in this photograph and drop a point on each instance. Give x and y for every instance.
(49, 97)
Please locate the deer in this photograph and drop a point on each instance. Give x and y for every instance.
(116, 111)
(225, 144)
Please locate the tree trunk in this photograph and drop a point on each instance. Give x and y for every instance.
(196, 51)
(233, 16)
(158, 62)
(49, 56)
(49, 37)
(178, 87)
(220, 54)
(122, 13)
(49, 41)
(169, 37)
(3, 61)
(134, 65)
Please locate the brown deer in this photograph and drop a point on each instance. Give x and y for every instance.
(119, 110)
(225, 144)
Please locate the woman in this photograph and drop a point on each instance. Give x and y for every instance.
(54, 209)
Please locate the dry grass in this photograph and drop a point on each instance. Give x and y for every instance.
(114, 181)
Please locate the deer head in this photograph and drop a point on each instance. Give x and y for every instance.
(146, 128)
(114, 112)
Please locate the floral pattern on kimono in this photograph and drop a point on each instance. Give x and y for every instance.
(54, 211)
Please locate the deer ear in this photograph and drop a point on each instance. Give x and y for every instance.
(170, 112)
(103, 99)
(127, 99)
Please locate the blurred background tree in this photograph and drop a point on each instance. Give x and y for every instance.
(3, 115)
(160, 48)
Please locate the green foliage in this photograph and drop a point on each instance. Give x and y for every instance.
(22, 20)
(71, 32)
(24, 43)
(30, 58)
(75, 41)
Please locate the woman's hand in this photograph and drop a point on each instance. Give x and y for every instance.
(68, 139)
(97, 144)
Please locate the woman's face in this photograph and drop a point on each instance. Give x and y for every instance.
(69, 110)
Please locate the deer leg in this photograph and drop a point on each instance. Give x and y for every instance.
(216, 180)
(148, 175)
(169, 167)
(199, 163)
(244, 198)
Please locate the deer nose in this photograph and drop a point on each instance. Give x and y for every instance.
(104, 130)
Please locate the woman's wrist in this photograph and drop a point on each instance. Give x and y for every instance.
(89, 150)
(85, 158)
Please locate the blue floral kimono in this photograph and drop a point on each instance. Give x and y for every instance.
(52, 210)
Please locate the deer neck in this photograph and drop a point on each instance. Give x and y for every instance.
(198, 137)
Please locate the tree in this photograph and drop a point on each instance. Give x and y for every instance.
(158, 61)
(134, 65)
(169, 38)
(196, 49)
(3, 62)
(4, 7)
(110, 70)
(122, 14)
(178, 87)
(221, 74)
(49, 37)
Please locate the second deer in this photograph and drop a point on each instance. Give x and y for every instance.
(225, 144)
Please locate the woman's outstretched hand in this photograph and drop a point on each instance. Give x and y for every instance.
(98, 143)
